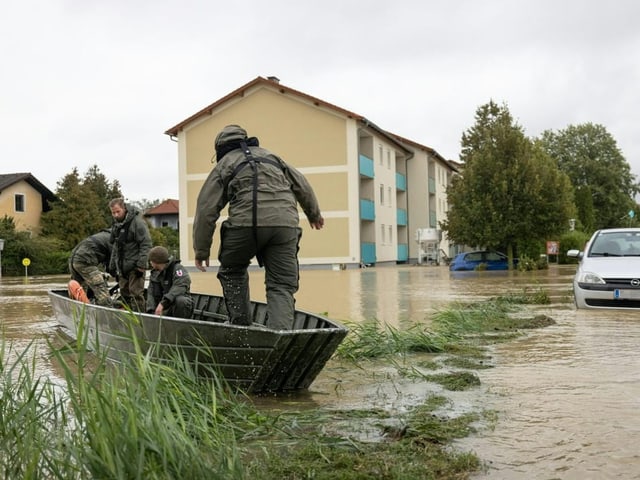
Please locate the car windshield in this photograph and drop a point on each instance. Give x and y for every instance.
(616, 244)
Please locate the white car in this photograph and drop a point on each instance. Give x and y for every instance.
(608, 275)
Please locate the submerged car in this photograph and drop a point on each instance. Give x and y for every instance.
(608, 274)
(489, 260)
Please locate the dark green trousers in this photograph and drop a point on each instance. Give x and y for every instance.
(277, 251)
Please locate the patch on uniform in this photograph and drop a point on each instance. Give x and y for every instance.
(179, 273)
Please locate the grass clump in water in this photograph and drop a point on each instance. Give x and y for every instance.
(410, 446)
(457, 328)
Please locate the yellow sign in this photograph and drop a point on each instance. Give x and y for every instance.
(26, 262)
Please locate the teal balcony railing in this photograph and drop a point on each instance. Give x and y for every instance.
(433, 219)
(403, 252)
(366, 166)
(368, 252)
(432, 185)
(367, 210)
(401, 182)
(401, 217)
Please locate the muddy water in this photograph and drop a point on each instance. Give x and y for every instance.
(566, 397)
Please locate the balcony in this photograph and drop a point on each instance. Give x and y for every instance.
(367, 210)
(368, 252)
(365, 166)
(401, 217)
(403, 252)
(432, 185)
(401, 182)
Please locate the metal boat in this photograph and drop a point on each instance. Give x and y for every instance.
(253, 358)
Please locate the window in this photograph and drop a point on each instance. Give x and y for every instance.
(389, 194)
(19, 202)
(389, 159)
(390, 234)
(382, 231)
(381, 194)
(380, 154)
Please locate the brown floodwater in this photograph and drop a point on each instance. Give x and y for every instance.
(566, 397)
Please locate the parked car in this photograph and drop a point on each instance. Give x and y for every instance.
(608, 274)
(472, 261)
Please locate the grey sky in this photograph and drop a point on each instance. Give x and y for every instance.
(89, 82)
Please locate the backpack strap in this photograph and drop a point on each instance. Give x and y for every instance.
(253, 163)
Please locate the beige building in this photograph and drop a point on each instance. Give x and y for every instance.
(24, 198)
(375, 189)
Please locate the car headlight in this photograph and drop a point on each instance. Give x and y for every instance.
(590, 277)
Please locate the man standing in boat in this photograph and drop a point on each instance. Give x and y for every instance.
(169, 291)
(87, 264)
(131, 242)
(262, 192)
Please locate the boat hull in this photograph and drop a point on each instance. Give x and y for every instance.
(253, 358)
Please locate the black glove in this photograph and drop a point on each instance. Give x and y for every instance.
(139, 273)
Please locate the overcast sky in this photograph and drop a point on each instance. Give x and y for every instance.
(88, 82)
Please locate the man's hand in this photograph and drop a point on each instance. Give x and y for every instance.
(200, 266)
(318, 224)
(159, 309)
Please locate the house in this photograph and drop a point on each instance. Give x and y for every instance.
(24, 198)
(369, 182)
(164, 214)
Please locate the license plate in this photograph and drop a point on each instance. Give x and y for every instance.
(619, 294)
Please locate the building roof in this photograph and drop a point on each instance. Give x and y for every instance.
(168, 207)
(8, 179)
(273, 82)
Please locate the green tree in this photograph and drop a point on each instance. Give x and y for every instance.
(82, 207)
(605, 188)
(97, 182)
(510, 191)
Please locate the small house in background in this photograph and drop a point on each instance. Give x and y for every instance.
(24, 198)
(164, 215)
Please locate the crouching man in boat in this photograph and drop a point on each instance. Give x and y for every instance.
(263, 193)
(87, 264)
(169, 291)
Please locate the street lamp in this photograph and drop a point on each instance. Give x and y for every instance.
(1, 248)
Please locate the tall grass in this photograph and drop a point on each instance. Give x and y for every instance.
(140, 420)
(449, 329)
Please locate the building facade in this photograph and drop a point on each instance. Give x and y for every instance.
(24, 198)
(368, 181)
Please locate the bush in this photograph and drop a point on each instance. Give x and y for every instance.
(569, 241)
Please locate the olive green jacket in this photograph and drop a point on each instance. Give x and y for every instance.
(131, 242)
(280, 188)
(166, 285)
(94, 250)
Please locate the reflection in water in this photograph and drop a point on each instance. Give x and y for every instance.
(566, 396)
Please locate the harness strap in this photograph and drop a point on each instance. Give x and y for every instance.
(253, 162)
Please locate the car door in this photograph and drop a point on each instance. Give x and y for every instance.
(495, 261)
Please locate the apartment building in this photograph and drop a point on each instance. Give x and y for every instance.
(375, 189)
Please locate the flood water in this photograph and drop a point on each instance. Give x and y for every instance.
(566, 397)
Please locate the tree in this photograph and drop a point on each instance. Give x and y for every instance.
(510, 190)
(82, 207)
(605, 188)
(98, 183)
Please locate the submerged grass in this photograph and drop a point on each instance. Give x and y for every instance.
(149, 420)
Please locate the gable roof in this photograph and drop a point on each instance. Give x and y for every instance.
(168, 207)
(273, 82)
(9, 179)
